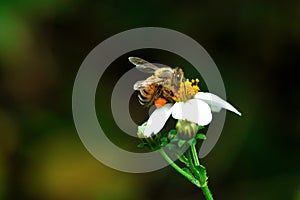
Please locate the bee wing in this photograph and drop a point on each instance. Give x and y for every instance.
(145, 83)
(139, 84)
(143, 65)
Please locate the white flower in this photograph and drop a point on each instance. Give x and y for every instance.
(197, 110)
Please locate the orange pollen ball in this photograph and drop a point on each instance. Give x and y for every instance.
(160, 102)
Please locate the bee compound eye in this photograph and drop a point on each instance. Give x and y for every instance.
(177, 76)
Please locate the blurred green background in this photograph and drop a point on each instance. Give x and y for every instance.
(255, 44)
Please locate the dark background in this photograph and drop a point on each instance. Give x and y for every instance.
(255, 45)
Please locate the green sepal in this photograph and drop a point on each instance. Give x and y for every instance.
(173, 132)
(181, 143)
(171, 146)
(192, 141)
(175, 139)
(164, 141)
(163, 144)
(199, 128)
(200, 136)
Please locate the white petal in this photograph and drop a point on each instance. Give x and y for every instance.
(157, 120)
(194, 110)
(215, 102)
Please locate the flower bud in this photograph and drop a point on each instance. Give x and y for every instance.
(141, 130)
(153, 142)
(186, 129)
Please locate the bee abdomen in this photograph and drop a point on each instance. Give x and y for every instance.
(148, 95)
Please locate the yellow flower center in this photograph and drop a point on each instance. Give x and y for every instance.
(187, 90)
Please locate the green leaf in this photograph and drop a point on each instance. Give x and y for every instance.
(155, 148)
(200, 168)
(200, 136)
(141, 145)
(183, 159)
(202, 172)
(187, 170)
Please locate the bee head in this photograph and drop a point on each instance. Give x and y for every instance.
(178, 75)
(177, 78)
(164, 73)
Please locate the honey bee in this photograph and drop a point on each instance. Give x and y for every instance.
(165, 85)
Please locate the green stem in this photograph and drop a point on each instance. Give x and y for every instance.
(195, 156)
(207, 192)
(199, 172)
(177, 168)
(192, 167)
